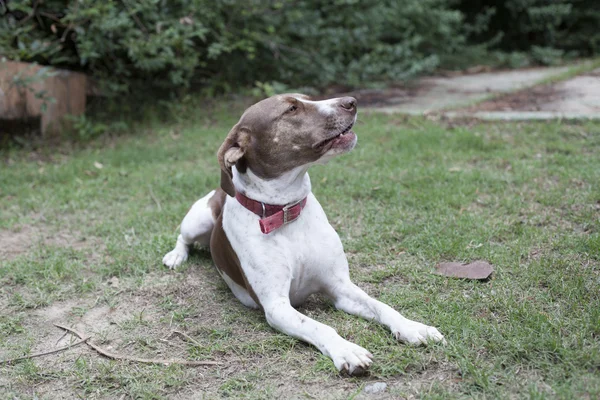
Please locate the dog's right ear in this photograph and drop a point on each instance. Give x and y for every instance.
(231, 151)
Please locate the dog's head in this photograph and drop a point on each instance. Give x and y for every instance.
(286, 131)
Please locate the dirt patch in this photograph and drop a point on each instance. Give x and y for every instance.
(137, 319)
(578, 94)
(533, 99)
(20, 240)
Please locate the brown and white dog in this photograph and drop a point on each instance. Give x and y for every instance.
(269, 236)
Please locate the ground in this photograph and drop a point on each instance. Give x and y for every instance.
(83, 232)
(568, 92)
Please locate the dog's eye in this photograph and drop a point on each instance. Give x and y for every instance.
(292, 108)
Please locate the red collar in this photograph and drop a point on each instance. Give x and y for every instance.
(273, 216)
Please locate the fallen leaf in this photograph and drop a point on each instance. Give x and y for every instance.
(480, 270)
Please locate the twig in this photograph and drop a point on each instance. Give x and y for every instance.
(70, 25)
(185, 336)
(29, 16)
(64, 334)
(135, 18)
(154, 198)
(52, 17)
(135, 359)
(83, 340)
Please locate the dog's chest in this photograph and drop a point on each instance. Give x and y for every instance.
(314, 252)
(304, 251)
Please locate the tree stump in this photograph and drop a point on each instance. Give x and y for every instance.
(32, 91)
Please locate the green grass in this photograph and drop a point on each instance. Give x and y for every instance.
(525, 197)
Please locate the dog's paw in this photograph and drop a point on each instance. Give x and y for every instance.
(416, 333)
(351, 358)
(175, 258)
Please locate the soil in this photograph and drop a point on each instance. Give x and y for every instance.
(576, 94)
(136, 323)
(20, 240)
(532, 99)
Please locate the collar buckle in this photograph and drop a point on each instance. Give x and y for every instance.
(285, 210)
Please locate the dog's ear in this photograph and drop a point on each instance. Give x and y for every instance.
(231, 151)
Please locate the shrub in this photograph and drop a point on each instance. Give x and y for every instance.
(225, 43)
(548, 29)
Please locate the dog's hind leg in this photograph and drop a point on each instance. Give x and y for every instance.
(196, 227)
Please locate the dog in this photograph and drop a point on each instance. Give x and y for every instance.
(268, 235)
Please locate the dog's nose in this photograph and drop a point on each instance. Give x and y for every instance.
(348, 103)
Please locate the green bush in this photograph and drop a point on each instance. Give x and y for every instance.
(549, 30)
(222, 44)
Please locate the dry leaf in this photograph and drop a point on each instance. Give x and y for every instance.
(476, 270)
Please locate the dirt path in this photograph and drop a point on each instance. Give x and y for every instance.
(505, 95)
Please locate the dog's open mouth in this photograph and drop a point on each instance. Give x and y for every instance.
(337, 137)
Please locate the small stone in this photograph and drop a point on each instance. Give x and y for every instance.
(376, 387)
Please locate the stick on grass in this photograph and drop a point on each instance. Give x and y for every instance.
(45, 353)
(115, 356)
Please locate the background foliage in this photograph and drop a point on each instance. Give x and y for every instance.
(223, 44)
(547, 29)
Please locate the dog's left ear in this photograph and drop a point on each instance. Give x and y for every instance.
(231, 151)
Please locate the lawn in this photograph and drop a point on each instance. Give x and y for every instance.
(83, 231)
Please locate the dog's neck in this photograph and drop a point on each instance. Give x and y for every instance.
(289, 187)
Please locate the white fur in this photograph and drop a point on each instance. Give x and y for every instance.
(196, 227)
(291, 263)
(324, 106)
(289, 187)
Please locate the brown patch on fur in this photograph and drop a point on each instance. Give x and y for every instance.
(216, 202)
(221, 251)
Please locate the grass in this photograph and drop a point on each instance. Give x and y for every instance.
(573, 71)
(88, 228)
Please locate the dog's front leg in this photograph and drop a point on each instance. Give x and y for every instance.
(350, 298)
(345, 355)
